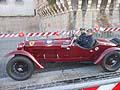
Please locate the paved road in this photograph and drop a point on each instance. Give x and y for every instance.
(49, 76)
(53, 72)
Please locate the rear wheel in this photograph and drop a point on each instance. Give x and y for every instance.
(111, 61)
(20, 68)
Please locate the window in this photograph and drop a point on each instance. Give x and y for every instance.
(19, 1)
(3, 1)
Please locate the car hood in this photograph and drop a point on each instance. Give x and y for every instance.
(105, 42)
(62, 41)
(48, 42)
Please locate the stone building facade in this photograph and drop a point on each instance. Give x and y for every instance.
(57, 15)
(18, 15)
(73, 14)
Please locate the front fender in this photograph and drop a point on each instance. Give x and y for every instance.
(25, 53)
(105, 53)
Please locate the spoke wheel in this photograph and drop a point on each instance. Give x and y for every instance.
(111, 62)
(20, 68)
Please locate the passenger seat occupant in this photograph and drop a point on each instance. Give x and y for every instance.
(86, 40)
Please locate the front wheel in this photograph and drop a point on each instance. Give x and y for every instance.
(20, 68)
(111, 61)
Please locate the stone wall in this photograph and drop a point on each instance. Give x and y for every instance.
(66, 21)
(54, 23)
(17, 24)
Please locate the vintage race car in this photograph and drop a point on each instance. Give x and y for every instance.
(30, 55)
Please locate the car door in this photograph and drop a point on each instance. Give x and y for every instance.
(80, 53)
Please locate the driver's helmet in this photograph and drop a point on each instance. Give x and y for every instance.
(83, 31)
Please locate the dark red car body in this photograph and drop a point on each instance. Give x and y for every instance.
(31, 54)
(63, 50)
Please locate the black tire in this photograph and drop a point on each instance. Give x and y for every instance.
(111, 62)
(20, 68)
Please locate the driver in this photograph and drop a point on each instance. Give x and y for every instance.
(86, 39)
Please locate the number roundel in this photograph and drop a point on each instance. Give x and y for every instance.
(31, 43)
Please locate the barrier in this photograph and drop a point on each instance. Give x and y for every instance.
(102, 32)
(38, 34)
(113, 86)
(111, 29)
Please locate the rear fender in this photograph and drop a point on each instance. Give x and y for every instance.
(21, 52)
(105, 53)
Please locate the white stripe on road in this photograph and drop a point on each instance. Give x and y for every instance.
(107, 87)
